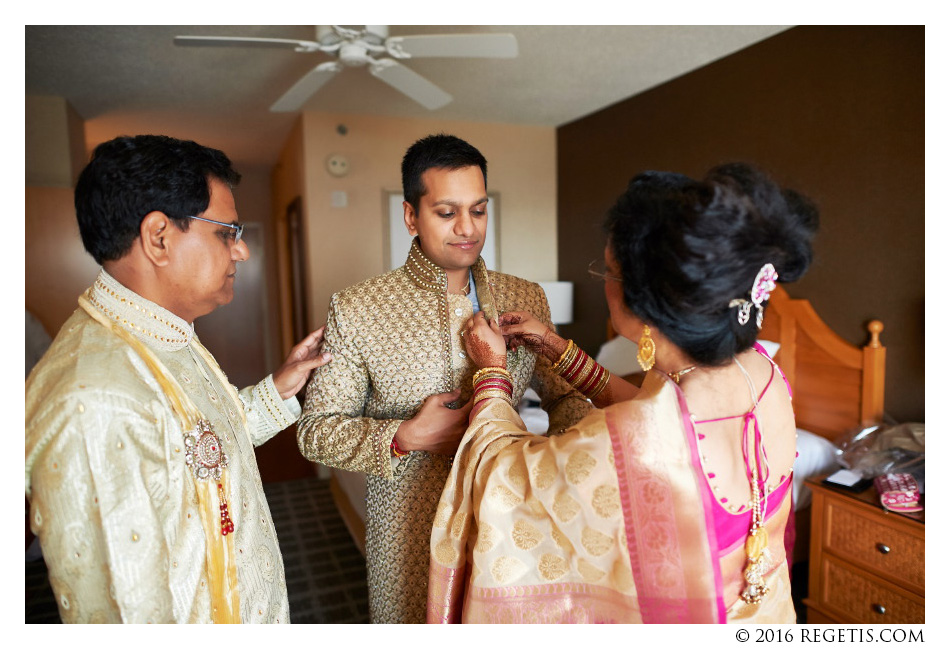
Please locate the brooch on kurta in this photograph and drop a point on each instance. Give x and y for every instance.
(206, 458)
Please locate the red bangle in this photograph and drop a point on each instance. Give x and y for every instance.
(398, 452)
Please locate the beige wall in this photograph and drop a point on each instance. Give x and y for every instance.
(347, 245)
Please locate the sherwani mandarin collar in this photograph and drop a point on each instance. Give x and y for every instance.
(157, 327)
(428, 276)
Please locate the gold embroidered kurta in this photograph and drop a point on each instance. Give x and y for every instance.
(395, 341)
(111, 498)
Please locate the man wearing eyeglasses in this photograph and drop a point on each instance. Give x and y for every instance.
(140, 469)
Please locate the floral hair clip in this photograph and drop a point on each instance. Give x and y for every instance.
(762, 287)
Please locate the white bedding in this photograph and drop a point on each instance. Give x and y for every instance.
(816, 455)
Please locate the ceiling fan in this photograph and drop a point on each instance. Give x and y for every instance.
(368, 46)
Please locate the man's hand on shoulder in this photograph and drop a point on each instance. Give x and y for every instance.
(306, 356)
(436, 428)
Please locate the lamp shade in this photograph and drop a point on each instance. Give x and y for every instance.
(561, 300)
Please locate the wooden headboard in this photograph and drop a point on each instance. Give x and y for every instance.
(836, 386)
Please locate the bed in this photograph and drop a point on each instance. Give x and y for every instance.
(837, 387)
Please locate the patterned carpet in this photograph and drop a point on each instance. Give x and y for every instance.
(326, 574)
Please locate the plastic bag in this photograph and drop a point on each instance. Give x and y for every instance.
(880, 450)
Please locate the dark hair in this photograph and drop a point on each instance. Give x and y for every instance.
(128, 177)
(687, 248)
(436, 152)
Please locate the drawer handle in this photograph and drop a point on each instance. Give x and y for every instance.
(877, 608)
(883, 549)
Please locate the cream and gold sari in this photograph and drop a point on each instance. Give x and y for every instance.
(609, 522)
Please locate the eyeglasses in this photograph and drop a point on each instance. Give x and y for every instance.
(238, 229)
(597, 269)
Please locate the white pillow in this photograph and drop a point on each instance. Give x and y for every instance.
(816, 455)
(771, 348)
(619, 356)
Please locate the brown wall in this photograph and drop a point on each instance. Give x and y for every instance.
(835, 112)
(57, 268)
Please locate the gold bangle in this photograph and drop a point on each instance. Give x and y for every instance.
(566, 357)
(501, 371)
(601, 384)
(489, 394)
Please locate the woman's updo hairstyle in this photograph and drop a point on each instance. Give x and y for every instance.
(687, 248)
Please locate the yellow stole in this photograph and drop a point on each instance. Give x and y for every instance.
(219, 547)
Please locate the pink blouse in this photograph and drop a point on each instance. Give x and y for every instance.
(733, 527)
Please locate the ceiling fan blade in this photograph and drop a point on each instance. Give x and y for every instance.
(308, 84)
(410, 83)
(501, 46)
(239, 41)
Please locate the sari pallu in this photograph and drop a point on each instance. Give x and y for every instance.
(608, 522)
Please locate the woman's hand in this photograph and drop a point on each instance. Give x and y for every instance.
(484, 343)
(522, 329)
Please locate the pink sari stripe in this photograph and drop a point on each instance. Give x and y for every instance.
(708, 503)
(558, 603)
(665, 515)
(446, 586)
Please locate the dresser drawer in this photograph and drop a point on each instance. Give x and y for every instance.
(859, 597)
(879, 543)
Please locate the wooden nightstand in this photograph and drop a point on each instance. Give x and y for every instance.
(866, 564)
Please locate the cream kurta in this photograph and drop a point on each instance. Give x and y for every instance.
(111, 499)
(395, 341)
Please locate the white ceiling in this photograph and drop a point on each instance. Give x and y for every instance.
(133, 79)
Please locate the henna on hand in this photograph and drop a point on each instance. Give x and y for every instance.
(533, 334)
(484, 343)
(482, 354)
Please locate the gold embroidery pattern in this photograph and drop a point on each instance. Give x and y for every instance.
(596, 543)
(488, 538)
(552, 567)
(392, 340)
(579, 466)
(562, 541)
(518, 476)
(267, 395)
(505, 569)
(525, 535)
(459, 525)
(544, 472)
(503, 498)
(137, 314)
(589, 571)
(445, 552)
(566, 507)
(606, 501)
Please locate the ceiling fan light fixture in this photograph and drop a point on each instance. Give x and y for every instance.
(360, 45)
(353, 55)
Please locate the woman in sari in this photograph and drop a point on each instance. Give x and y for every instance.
(668, 503)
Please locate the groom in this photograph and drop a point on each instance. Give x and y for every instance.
(393, 404)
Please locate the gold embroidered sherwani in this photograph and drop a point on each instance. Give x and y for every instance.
(111, 499)
(395, 340)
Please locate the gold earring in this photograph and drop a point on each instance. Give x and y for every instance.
(646, 354)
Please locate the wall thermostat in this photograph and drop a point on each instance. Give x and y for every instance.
(338, 165)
